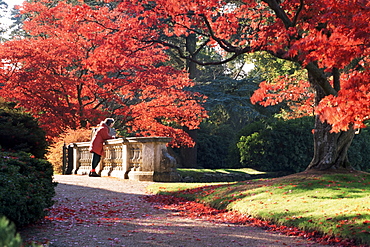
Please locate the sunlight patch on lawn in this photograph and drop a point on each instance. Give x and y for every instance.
(336, 204)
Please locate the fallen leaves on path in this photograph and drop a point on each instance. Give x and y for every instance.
(196, 210)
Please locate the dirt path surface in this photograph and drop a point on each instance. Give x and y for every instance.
(106, 211)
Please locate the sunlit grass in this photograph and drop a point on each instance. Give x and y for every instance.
(249, 171)
(168, 188)
(335, 204)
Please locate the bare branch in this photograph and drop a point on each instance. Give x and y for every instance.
(298, 12)
(274, 5)
(321, 79)
(336, 79)
(201, 47)
(190, 58)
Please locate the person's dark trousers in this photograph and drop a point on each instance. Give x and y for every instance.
(95, 160)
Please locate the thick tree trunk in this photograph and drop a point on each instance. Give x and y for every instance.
(330, 149)
(188, 156)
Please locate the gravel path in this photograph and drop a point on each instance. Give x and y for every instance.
(107, 211)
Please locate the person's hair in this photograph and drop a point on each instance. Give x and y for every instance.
(109, 121)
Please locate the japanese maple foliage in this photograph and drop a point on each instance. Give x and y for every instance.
(329, 38)
(296, 93)
(81, 63)
(323, 36)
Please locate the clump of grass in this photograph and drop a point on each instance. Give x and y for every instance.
(336, 204)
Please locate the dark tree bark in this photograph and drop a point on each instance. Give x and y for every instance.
(188, 156)
(330, 149)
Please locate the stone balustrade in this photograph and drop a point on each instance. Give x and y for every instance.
(136, 158)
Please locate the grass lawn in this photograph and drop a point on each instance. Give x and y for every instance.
(336, 204)
(197, 172)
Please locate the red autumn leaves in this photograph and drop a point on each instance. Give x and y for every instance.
(196, 210)
(81, 64)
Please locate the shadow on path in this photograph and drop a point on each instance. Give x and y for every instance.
(112, 212)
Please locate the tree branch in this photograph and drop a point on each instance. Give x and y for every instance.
(298, 12)
(222, 43)
(321, 79)
(336, 79)
(201, 47)
(190, 58)
(274, 5)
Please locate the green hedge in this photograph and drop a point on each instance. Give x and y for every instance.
(213, 143)
(277, 145)
(19, 131)
(359, 151)
(287, 145)
(26, 187)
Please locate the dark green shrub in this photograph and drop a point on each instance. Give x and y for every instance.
(277, 145)
(234, 152)
(26, 187)
(213, 146)
(8, 235)
(359, 151)
(19, 131)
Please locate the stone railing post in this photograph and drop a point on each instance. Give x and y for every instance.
(149, 159)
(115, 160)
(81, 158)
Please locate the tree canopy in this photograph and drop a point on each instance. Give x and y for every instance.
(79, 64)
(326, 38)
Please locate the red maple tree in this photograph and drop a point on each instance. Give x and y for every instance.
(79, 64)
(328, 38)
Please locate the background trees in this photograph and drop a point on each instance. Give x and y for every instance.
(324, 38)
(3, 9)
(229, 109)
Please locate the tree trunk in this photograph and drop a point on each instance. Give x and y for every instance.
(330, 149)
(188, 156)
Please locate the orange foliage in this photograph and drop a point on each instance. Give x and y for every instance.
(351, 107)
(55, 152)
(297, 95)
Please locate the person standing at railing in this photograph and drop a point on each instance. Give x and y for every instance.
(102, 133)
